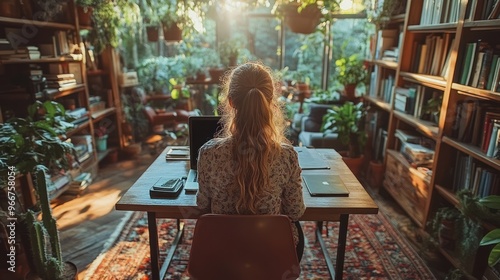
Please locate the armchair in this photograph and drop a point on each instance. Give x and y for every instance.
(164, 123)
(310, 129)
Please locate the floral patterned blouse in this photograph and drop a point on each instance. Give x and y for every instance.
(218, 193)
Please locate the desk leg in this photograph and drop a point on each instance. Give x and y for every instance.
(158, 273)
(344, 221)
(328, 260)
(153, 246)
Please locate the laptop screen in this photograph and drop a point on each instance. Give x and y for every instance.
(201, 129)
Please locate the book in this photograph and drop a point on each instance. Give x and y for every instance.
(59, 76)
(467, 64)
(485, 69)
(422, 59)
(466, 114)
(493, 141)
(493, 70)
(495, 11)
(496, 76)
(487, 129)
(478, 63)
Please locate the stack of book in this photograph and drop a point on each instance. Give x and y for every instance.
(60, 81)
(79, 115)
(79, 183)
(417, 155)
(57, 182)
(28, 52)
(6, 48)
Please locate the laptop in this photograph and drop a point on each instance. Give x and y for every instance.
(309, 159)
(201, 129)
(325, 185)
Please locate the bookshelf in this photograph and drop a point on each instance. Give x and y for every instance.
(45, 58)
(459, 76)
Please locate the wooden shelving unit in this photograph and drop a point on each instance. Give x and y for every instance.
(449, 150)
(16, 94)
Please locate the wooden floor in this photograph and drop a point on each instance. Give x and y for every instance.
(86, 222)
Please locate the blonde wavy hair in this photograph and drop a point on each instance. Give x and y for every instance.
(254, 120)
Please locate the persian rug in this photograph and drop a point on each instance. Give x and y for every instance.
(374, 250)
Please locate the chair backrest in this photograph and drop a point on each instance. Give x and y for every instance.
(243, 247)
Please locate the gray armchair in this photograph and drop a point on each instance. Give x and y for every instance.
(310, 129)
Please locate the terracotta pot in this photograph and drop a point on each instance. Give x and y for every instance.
(350, 91)
(172, 33)
(304, 22)
(153, 33)
(354, 164)
(216, 74)
(84, 15)
(375, 174)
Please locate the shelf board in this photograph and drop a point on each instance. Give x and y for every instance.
(441, 27)
(30, 22)
(41, 60)
(55, 93)
(428, 128)
(448, 195)
(483, 24)
(426, 80)
(398, 18)
(386, 64)
(476, 92)
(378, 102)
(77, 128)
(102, 113)
(473, 151)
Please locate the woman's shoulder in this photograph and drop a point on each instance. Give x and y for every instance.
(214, 144)
(288, 149)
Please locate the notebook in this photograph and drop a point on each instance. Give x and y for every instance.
(309, 159)
(325, 185)
(201, 129)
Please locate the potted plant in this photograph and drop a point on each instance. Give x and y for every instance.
(213, 61)
(432, 109)
(229, 50)
(176, 16)
(303, 16)
(325, 97)
(101, 133)
(350, 71)
(149, 13)
(84, 10)
(348, 121)
(493, 236)
(443, 226)
(33, 146)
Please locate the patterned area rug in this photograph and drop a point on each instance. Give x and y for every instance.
(374, 250)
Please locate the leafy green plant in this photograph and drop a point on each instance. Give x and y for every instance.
(160, 74)
(325, 96)
(348, 121)
(229, 50)
(432, 108)
(350, 70)
(380, 15)
(493, 236)
(33, 145)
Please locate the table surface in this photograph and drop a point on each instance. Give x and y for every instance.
(184, 206)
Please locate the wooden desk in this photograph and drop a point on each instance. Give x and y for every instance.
(184, 207)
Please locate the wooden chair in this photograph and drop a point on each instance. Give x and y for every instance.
(243, 247)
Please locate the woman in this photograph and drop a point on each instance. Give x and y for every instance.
(251, 168)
